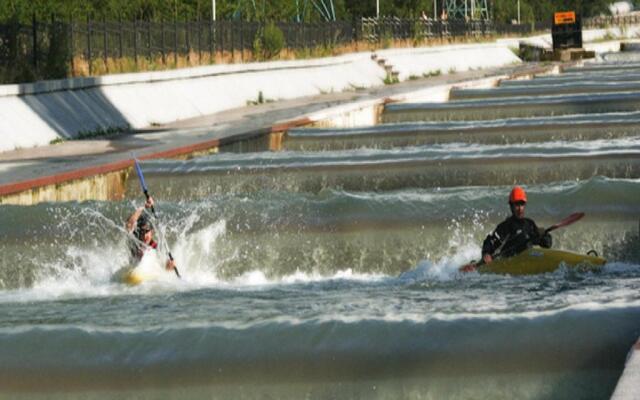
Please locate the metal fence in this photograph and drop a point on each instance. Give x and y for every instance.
(152, 40)
(50, 49)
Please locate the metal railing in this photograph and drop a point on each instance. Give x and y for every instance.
(52, 49)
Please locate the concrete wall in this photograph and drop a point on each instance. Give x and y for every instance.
(36, 114)
(438, 60)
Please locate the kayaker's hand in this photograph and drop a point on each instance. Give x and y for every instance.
(487, 258)
(170, 265)
(149, 203)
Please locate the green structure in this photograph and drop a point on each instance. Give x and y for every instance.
(466, 9)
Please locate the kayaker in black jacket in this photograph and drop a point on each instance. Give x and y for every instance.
(516, 233)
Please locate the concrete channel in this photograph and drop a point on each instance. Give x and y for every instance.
(571, 79)
(515, 130)
(606, 67)
(469, 110)
(546, 90)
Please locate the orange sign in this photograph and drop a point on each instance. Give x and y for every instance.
(566, 17)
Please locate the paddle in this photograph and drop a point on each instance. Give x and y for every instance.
(143, 185)
(565, 222)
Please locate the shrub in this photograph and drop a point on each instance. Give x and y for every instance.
(273, 41)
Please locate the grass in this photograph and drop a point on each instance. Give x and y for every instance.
(429, 74)
(98, 133)
(57, 141)
(391, 79)
(259, 100)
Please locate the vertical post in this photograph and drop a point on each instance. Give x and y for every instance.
(233, 44)
(213, 10)
(175, 41)
(149, 40)
(104, 42)
(199, 40)
(241, 42)
(120, 49)
(211, 41)
(162, 51)
(377, 8)
(34, 32)
(89, 55)
(135, 42)
(187, 26)
(221, 34)
(71, 53)
(518, 12)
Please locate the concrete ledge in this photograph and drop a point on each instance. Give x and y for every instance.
(628, 387)
(37, 190)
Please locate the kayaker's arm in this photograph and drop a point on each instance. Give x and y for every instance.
(133, 219)
(494, 242)
(544, 238)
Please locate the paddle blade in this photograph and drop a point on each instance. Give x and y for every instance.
(140, 176)
(567, 221)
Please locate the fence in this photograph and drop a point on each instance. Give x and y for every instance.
(52, 49)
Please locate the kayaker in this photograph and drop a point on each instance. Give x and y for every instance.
(516, 233)
(141, 232)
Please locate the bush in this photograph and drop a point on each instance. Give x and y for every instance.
(268, 42)
(57, 56)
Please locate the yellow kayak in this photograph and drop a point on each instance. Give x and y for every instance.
(537, 260)
(149, 269)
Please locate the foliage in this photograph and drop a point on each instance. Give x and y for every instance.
(274, 10)
(268, 42)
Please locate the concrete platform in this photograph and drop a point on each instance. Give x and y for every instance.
(29, 169)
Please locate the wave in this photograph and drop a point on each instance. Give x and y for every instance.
(279, 352)
(269, 236)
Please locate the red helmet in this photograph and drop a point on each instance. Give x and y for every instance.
(517, 194)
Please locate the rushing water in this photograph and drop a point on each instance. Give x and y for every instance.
(330, 294)
(341, 289)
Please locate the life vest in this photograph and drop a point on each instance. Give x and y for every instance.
(138, 248)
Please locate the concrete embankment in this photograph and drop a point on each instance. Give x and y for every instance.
(36, 114)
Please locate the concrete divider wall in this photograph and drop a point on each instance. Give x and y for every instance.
(420, 62)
